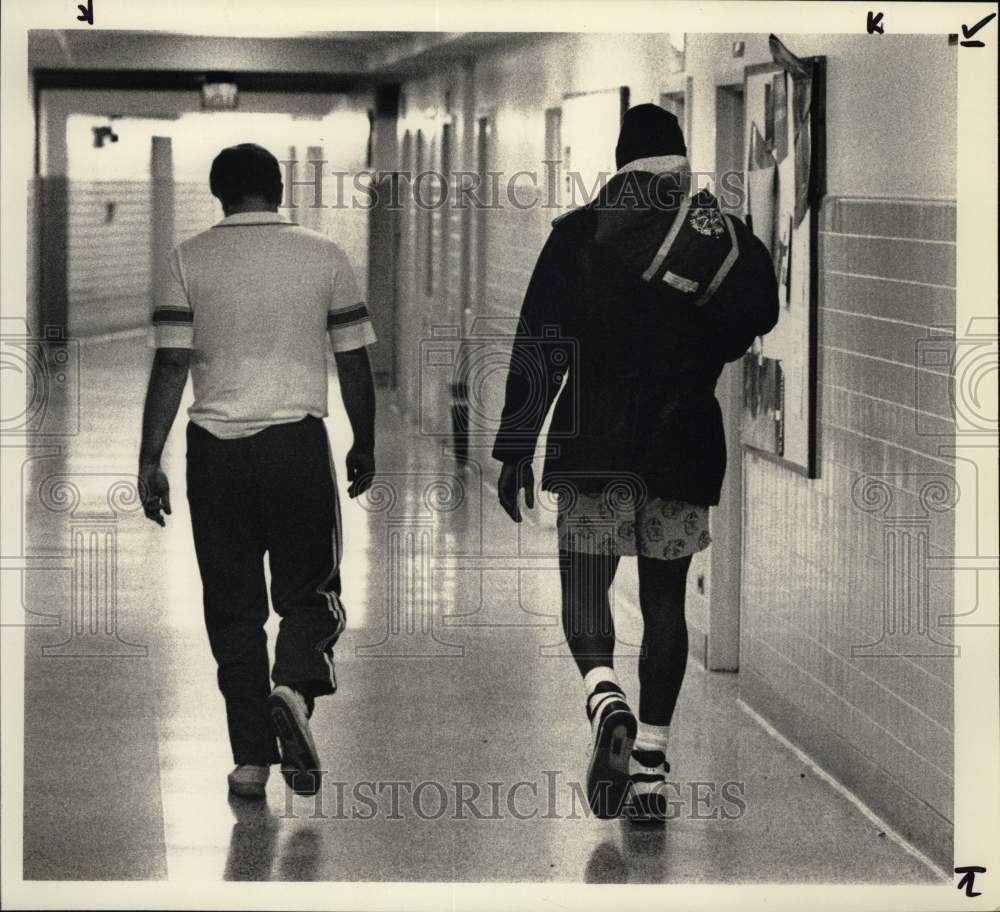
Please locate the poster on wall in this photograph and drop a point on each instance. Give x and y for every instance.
(784, 170)
(763, 395)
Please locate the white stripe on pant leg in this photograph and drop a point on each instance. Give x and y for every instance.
(337, 548)
(336, 606)
(336, 531)
(337, 545)
(333, 601)
(328, 657)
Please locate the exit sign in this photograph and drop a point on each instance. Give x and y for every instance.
(219, 96)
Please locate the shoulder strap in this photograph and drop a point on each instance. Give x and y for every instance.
(698, 252)
(727, 264)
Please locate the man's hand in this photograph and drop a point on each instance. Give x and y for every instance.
(163, 396)
(357, 389)
(513, 479)
(154, 490)
(360, 469)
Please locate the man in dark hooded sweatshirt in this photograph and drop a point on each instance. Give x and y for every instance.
(636, 302)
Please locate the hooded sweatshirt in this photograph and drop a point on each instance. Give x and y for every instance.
(635, 304)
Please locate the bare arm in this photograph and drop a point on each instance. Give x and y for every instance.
(357, 389)
(163, 397)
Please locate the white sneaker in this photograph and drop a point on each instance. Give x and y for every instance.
(299, 758)
(249, 781)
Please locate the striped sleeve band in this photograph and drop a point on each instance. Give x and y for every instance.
(171, 316)
(350, 328)
(339, 319)
(171, 327)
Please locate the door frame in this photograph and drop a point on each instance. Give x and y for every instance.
(722, 652)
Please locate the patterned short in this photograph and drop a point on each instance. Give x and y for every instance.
(599, 524)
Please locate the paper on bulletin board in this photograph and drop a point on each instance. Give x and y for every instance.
(801, 105)
(768, 115)
(761, 174)
(760, 204)
(779, 95)
(800, 72)
(759, 153)
(783, 230)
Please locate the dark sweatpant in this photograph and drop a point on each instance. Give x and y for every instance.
(273, 492)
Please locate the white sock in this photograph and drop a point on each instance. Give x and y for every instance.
(648, 738)
(645, 778)
(596, 699)
(594, 677)
(651, 737)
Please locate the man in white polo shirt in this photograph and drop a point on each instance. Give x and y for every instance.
(249, 310)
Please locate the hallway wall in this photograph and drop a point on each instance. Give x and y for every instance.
(815, 578)
(825, 650)
(109, 280)
(97, 276)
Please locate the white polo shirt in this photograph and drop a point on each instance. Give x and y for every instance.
(255, 298)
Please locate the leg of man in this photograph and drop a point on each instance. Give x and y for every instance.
(663, 661)
(586, 609)
(230, 551)
(301, 518)
(661, 672)
(590, 633)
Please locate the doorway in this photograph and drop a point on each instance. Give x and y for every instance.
(729, 147)
(445, 285)
(553, 163)
(588, 125)
(483, 134)
(678, 102)
(723, 647)
(384, 220)
(406, 277)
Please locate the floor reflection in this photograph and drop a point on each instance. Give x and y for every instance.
(606, 865)
(300, 855)
(253, 841)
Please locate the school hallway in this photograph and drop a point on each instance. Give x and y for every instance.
(458, 731)
(819, 733)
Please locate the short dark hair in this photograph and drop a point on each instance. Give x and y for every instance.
(245, 170)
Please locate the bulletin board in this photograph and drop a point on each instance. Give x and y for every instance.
(784, 139)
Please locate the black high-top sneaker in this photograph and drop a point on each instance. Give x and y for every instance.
(614, 727)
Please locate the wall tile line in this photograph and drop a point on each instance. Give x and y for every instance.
(860, 747)
(862, 275)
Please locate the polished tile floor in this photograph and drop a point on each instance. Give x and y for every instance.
(456, 744)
